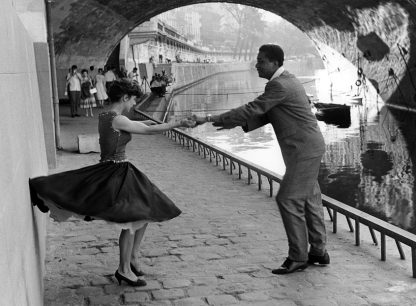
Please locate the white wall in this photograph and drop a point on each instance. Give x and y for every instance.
(23, 155)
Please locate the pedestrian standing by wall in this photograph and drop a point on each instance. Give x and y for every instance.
(110, 77)
(100, 86)
(87, 96)
(134, 76)
(73, 81)
(285, 105)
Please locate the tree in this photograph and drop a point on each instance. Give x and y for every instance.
(250, 29)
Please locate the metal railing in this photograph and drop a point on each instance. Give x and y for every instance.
(231, 162)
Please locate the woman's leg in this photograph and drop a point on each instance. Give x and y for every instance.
(138, 237)
(126, 246)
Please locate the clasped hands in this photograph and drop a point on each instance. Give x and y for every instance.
(194, 120)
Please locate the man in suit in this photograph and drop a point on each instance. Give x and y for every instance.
(285, 105)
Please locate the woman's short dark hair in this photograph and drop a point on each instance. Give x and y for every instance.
(273, 53)
(84, 70)
(123, 87)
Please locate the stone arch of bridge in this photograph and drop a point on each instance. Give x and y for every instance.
(380, 32)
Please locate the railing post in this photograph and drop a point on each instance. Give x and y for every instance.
(373, 236)
(334, 222)
(414, 261)
(357, 232)
(329, 213)
(383, 246)
(349, 224)
(259, 180)
(399, 248)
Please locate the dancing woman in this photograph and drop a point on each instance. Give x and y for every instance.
(113, 190)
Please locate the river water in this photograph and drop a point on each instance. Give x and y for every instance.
(368, 161)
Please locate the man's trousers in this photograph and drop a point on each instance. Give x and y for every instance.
(74, 100)
(300, 204)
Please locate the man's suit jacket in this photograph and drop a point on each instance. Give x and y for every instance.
(285, 105)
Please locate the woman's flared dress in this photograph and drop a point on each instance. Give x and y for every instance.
(87, 98)
(113, 190)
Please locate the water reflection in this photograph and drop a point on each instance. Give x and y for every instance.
(368, 165)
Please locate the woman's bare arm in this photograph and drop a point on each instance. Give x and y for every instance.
(136, 127)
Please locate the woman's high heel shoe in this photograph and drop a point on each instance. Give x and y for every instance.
(136, 283)
(137, 273)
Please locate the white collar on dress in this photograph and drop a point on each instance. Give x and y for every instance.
(277, 73)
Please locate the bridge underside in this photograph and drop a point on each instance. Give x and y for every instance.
(87, 31)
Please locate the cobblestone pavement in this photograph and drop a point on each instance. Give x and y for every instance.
(219, 251)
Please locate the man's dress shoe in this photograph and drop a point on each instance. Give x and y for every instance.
(290, 266)
(316, 259)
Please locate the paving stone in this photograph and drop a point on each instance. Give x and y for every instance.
(156, 303)
(204, 236)
(168, 294)
(219, 300)
(136, 297)
(154, 253)
(180, 237)
(254, 296)
(384, 299)
(209, 256)
(90, 291)
(188, 258)
(175, 283)
(202, 290)
(351, 300)
(63, 297)
(205, 280)
(217, 241)
(150, 285)
(104, 300)
(109, 250)
(248, 269)
(82, 238)
(100, 280)
(191, 301)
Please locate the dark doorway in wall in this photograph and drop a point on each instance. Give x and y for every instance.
(113, 59)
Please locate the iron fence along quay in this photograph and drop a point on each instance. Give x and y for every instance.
(232, 163)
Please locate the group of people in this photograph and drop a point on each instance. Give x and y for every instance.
(89, 88)
(158, 83)
(130, 200)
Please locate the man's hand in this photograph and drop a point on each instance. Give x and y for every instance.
(198, 119)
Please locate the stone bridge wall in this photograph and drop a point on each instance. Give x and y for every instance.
(23, 155)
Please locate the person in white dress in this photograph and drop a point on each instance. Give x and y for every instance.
(100, 86)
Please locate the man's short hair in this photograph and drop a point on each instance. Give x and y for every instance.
(134, 69)
(273, 53)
